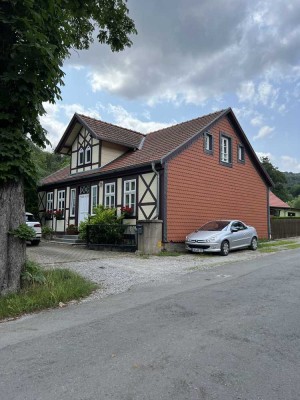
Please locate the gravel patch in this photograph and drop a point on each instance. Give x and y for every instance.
(118, 272)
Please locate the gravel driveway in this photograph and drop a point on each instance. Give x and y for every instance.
(118, 272)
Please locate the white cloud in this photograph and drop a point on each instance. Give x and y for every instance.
(267, 94)
(111, 80)
(257, 120)
(51, 122)
(264, 132)
(71, 109)
(58, 116)
(290, 164)
(246, 92)
(270, 156)
(193, 51)
(127, 120)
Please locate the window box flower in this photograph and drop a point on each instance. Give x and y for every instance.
(127, 211)
(58, 214)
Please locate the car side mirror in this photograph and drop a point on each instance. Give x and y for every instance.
(234, 229)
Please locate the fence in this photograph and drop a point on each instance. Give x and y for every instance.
(285, 227)
(112, 237)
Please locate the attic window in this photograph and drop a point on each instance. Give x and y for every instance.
(81, 157)
(241, 153)
(225, 150)
(208, 143)
(88, 155)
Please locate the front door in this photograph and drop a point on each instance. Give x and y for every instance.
(83, 208)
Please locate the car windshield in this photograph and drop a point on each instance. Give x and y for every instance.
(214, 226)
(30, 218)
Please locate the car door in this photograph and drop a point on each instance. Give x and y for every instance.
(237, 236)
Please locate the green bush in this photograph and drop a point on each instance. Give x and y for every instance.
(23, 232)
(102, 216)
(46, 230)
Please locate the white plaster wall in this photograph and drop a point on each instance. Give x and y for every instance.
(111, 151)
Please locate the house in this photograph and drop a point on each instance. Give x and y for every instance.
(184, 175)
(279, 208)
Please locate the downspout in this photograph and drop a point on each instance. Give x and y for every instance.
(269, 216)
(157, 190)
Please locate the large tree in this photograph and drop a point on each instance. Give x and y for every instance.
(36, 36)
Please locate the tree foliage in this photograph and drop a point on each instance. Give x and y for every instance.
(45, 162)
(36, 37)
(278, 179)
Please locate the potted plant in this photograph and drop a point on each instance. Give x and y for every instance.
(127, 211)
(72, 229)
(47, 232)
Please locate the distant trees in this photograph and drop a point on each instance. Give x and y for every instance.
(278, 179)
(46, 162)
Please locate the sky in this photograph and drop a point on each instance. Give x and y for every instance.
(191, 58)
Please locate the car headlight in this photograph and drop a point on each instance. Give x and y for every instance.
(186, 238)
(211, 239)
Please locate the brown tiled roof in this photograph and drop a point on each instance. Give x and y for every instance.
(159, 144)
(155, 146)
(277, 202)
(112, 133)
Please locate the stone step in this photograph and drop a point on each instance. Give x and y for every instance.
(67, 239)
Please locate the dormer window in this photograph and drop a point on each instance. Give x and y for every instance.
(88, 155)
(81, 157)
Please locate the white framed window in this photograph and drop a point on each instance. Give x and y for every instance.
(49, 203)
(110, 195)
(130, 195)
(81, 157)
(241, 153)
(94, 197)
(208, 142)
(72, 202)
(225, 149)
(88, 155)
(61, 200)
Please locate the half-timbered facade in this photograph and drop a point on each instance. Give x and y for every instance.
(184, 175)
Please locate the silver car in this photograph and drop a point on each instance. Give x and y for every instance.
(221, 237)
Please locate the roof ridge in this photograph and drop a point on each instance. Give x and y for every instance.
(190, 120)
(55, 172)
(109, 123)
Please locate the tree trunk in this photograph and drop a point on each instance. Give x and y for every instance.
(12, 249)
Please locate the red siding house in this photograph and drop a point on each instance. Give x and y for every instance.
(185, 175)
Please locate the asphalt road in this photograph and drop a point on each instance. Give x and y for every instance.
(231, 332)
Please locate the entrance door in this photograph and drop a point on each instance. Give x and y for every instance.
(83, 208)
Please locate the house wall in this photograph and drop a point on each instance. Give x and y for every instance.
(200, 189)
(288, 213)
(146, 199)
(111, 151)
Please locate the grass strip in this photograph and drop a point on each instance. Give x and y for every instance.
(169, 254)
(59, 286)
(275, 244)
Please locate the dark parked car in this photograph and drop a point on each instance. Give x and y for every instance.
(221, 237)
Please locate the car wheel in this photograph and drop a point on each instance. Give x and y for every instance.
(35, 242)
(225, 248)
(253, 244)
